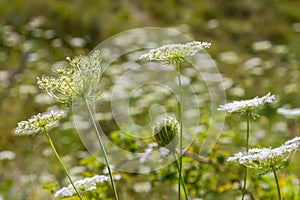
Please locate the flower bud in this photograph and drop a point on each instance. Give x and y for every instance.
(166, 133)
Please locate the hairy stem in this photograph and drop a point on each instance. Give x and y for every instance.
(277, 183)
(102, 147)
(62, 164)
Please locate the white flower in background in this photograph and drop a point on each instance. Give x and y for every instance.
(84, 185)
(267, 158)
(247, 105)
(39, 123)
(164, 152)
(292, 113)
(172, 53)
(142, 187)
(77, 42)
(262, 45)
(7, 155)
(105, 170)
(145, 157)
(80, 79)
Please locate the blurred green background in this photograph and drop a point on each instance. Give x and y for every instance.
(255, 44)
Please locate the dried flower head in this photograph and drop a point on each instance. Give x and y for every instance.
(267, 158)
(80, 79)
(245, 106)
(39, 123)
(291, 113)
(166, 132)
(172, 53)
(84, 185)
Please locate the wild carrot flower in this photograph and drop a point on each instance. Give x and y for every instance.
(175, 54)
(172, 53)
(166, 132)
(267, 158)
(80, 79)
(84, 185)
(292, 113)
(245, 106)
(39, 123)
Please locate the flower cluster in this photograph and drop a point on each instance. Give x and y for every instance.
(172, 53)
(84, 185)
(80, 79)
(39, 123)
(166, 132)
(267, 158)
(247, 105)
(293, 113)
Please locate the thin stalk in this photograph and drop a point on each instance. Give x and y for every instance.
(102, 147)
(298, 131)
(245, 183)
(248, 130)
(182, 181)
(181, 127)
(247, 147)
(62, 164)
(277, 183)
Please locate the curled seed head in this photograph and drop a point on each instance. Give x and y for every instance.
(166, 132)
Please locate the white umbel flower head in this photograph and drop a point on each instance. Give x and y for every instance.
(291, 113)
(39, 123)
(172, 53)
(80, 79)
(84, 185)
(247, 105)
(267, 158)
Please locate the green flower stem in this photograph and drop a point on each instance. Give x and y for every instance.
(298, 132)
(62, 164)
(181, 126)
(247, 147)
(102, 147)
(248, 129)
(182, 181)
(277, 183)
(245, 183)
